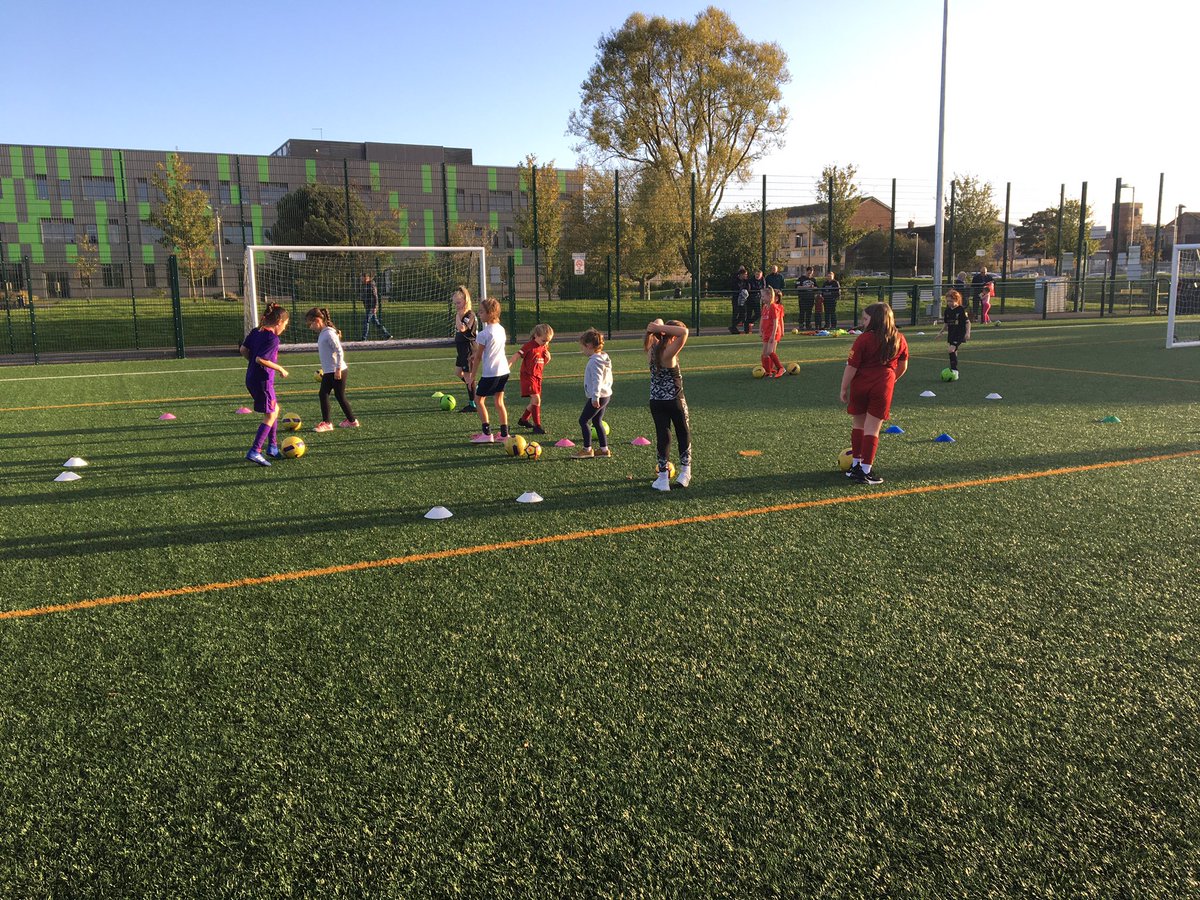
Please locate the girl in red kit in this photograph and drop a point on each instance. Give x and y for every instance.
(772, 331)
(878, 358)
(534, 354)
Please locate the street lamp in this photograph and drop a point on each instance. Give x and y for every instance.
(916, 245)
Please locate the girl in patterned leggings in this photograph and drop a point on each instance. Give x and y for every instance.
(668, 406)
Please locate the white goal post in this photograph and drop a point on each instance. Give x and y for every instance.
(1183, 304)
(413, 284)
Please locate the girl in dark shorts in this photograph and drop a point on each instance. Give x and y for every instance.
(956, 322)
(465, 328)
(261, 348)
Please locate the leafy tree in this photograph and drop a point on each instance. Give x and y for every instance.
(649, 229)
(735, 239)
(684, 98)
(185, 218)
(977, 224)
(315, 215)
(589, 221)
(846, 198)
(87, 262)
(1037, 233)
(872, 253)
(548, 235)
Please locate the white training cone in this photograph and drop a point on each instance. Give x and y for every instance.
(530, 497)
(993, 396)
(928, 394)
(438, 512)
(68, 476)
(75, 462)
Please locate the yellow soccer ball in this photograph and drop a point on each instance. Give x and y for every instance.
(793, 368)
(845, 459)
(514, 445)
(758, 371)
(533, 450)
(293, 447)
(596, 437)
(670, 469)
(290, 422)
(318, 376)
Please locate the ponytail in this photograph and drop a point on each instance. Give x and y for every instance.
(273, 315)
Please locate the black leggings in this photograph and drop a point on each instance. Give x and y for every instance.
(591, 416)
(665, 414)
(338, 386)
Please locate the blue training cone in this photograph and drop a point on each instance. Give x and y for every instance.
(893, 429)
(943, 438)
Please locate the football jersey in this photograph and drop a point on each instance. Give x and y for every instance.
(864, 353)
(533, 359)
(262, 344)
(491, 338)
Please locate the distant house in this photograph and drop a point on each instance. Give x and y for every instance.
(801, 245)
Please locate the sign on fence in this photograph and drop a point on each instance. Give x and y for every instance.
(578, 259)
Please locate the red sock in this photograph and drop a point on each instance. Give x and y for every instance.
(870, 443)
(537, 416)
(856, 436)
(775, 359)
(766, 362)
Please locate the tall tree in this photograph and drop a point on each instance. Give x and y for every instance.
(735, 239)
(87, 262)
(315, 215)
(589, 220)
(846, 198)
(185, 218)
(977, 224)
(649, 229)
(548, 235)
(1038, 232)
(682, 98)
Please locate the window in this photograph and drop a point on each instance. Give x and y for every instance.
(151, 275)
(469, 202)
(151, 234)
(799, 241)
(113, 275)
(232, 234)
(64, 189)
(99, 188)
(199, 183)
(226, 193)
(43, 187)
(271, 192)
(510, 239)
(500, 201)
(58, 285)
(113, 232)
(58, 231)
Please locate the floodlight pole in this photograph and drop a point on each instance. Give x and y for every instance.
(940, 221)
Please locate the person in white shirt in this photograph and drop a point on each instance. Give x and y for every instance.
(597, 386)
(489, 365)
(333, 368)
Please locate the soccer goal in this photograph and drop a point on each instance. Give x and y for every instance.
(413, 286)
(1183, 306)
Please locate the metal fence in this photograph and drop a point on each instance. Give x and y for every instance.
(83, 269)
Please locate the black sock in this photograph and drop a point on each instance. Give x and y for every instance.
(954, 360)
(504, 431)
(487, 427)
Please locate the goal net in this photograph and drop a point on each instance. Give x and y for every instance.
(413, 285)
(1183, 306)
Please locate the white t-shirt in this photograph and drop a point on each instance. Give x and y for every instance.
(494, 363)
(329, 346)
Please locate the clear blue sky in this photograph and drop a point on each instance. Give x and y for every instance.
(1041, 92)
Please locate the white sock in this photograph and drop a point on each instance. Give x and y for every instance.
(866, 467)
(855, 462)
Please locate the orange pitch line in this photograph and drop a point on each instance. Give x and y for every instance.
(394, 561)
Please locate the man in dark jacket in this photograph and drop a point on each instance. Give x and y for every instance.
(754, 301)
(806, 288)
(740, 294)
(831, 290)
(369, 295)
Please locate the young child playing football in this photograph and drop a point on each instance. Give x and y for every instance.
(333, 368)
(261, 348)
(597, 386)
(878, 357)
(534, 354)
(668, 406)
(772, 331)
(491, 368)
(956, 322)
(465, 327)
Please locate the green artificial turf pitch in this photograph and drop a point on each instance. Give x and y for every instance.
(984, 690)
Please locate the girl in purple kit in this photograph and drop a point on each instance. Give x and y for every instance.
(261, 348)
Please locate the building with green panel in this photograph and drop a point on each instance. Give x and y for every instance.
(52, 199)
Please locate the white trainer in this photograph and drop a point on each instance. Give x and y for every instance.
(685, 476)
(662, 482)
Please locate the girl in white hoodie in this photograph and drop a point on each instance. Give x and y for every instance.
(597, 386)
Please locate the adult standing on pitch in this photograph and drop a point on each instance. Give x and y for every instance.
(740, 294)
(754, 301)
(369, 295)
(831, 291)
(979, 286)
(806, 288)
(775, 279)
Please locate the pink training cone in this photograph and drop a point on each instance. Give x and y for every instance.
(565, 442)
(640, 441)
(244, 410)
(166, 417)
